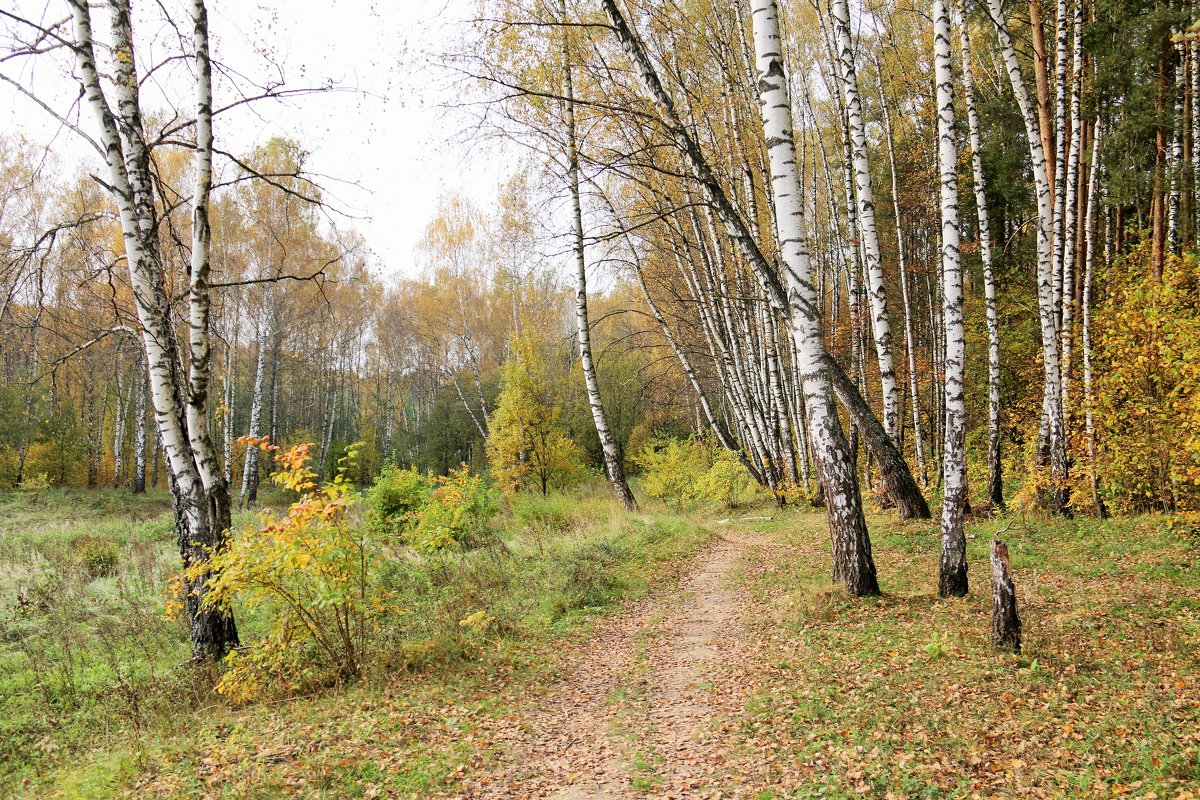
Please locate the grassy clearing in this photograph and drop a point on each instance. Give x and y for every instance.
(95, 704)
(902, 696)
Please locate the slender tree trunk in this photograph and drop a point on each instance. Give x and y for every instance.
(880, 320)
(853, 564)
(1175, 156)
(249, 494)
(1070, 210)
(1047, 311)
(608, 444)
(909, 344)
(139, 439)
(952, 574)
(119, 426)
(1089, 249)
(1042, 83)
(995, 483)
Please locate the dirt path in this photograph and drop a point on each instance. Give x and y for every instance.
(645, 708)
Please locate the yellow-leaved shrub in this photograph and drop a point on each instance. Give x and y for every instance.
(313, 574)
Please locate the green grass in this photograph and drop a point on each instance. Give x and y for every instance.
(95, 704)
(904, 694)
(899, 694)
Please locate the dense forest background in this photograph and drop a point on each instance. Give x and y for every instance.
(313, 343)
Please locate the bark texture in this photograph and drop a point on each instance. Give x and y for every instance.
(1006, 622)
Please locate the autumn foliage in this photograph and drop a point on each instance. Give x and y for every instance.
(315, 575)
(1148, 385)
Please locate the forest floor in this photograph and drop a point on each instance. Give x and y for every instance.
(710, 657)
(643, 708)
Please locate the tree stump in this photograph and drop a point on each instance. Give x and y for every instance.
(1006, 624)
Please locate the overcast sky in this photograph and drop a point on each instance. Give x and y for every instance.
(391, 148)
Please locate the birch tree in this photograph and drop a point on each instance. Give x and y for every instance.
(864, 194)
(853, 564)
(1047, 309)
(199, 492)
(952, 573)
(608, 444)
(995, 481)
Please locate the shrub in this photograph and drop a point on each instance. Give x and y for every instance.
(35, 486)
(395, 496)
(315, 572)
(458, 514)
(671, 468)
(725, 481)
(97, 555)
(1147, 384)
(694, 470)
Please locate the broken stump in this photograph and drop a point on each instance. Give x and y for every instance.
(1006, 623)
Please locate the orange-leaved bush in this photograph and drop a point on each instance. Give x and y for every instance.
(314, 574)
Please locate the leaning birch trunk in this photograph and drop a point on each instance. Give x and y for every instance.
(1047, 309)
(995, 480)
(1006, 623)
(1088, 254)
(952, 574)
(898, 483)
(853, 564)
(877, 296)
(201, 512)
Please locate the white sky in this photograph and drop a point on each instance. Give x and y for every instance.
(394, 138)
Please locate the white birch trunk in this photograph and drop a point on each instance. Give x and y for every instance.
(901, 255)
(1070, 213)
(1194, 62)
(1047, 308)
(1060, 148)
(995, 485)
(1089, 249)
(876, 294)
(853, 564)
(952, 574)
(1175, 162)
(249, 493)
(139, 434)
(119, 425)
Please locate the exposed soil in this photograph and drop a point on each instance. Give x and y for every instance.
(646, 706)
